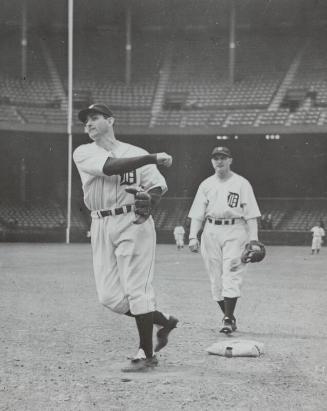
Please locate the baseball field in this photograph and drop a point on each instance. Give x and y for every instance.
(61, 350)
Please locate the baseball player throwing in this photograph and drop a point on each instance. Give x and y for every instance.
(121, 184)
(226, 204)
(317, 234)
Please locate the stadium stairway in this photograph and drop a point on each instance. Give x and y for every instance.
(288, 79)
(159, 94)
(55, 78)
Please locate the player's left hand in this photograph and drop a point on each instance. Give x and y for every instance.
(254, 252)
(164, 159)
(235, 264)
(194, 245)
(142, 204)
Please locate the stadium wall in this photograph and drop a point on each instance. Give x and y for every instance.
(268, 237)
(293, 166)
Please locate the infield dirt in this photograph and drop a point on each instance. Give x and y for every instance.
(61, 350)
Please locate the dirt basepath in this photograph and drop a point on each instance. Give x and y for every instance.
(61, 350)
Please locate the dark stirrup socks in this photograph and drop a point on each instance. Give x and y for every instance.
(144, 324)
(158, 318)
(221, 304)
(230, 304)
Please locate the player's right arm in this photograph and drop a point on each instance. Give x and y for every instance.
(115, 166)
(89, 159)
(196, 225)
(197, 215)
(96, 161)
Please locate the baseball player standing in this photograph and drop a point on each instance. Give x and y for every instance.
(121, 184)
(179, 234)
(317, 234)
(226, 204)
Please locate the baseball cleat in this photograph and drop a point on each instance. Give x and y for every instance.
(140, 355)
(227, 326)
(141, 364)
(163, 333)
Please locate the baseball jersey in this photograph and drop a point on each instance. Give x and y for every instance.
(317, 231)
(102, 192)
(232, 198)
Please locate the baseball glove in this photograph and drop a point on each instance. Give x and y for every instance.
(254, 252)
(142, 204)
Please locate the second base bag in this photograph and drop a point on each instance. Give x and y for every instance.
(237, 348)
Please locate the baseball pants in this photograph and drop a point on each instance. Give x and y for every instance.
(123, 263)
(316, 243)
(179, 239)
(220, 246)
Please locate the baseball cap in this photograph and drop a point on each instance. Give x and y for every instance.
(94, 108)
(221, 150)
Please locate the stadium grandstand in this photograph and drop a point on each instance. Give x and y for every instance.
(180, 76)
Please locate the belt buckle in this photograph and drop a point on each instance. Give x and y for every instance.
(104, 213)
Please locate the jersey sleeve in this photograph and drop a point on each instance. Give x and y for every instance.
(200, 202)
(90, 161)
(249, 202)
(152, 178)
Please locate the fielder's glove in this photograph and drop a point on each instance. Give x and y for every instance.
(254, 252)
(142, 204)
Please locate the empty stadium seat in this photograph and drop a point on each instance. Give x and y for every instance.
(197, 68)
(40, 215)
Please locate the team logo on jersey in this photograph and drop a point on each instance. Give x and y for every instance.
(232, 199)
(128, 178)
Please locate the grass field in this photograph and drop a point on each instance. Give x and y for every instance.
(61, 350)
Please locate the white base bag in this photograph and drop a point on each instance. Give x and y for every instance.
(237, 348)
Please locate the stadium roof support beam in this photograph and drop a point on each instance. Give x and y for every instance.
(70, 116)
(232, 43)
(128, 45)
(24, 41)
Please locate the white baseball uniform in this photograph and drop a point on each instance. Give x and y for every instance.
(123, 252)
(317, 234)
(179, 233)
(225, 205)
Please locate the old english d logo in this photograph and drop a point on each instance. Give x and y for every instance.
(128, 178)
(232, 199)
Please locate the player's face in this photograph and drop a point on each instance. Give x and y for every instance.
(96, 125)
(221, 163)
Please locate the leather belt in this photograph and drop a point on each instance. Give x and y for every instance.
(115, 211)
(222, 221)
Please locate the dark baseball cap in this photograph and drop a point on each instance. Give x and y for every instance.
(221, 150)
(94, 108)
